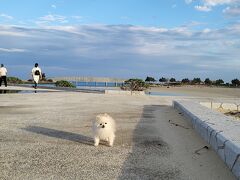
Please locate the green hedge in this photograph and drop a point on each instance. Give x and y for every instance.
(14, 80)
(63, 83)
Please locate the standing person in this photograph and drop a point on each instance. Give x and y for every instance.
(3, 75)
(36, 74)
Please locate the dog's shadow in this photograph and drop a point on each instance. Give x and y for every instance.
(60, 134)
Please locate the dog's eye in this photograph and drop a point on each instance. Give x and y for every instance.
(105, 123)
(100, 124)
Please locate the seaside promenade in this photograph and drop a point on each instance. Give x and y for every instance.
(48, 136)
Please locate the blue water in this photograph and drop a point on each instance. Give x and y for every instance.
(96, 84)
(85, 84)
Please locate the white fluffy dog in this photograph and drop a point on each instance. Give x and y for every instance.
(104, 129)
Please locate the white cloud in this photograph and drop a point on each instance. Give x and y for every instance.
(7, 33)
(54, 6)
(53, 18)
(188, 1)
(11, 31)
(77, 18)
(12, 50)
(232, 11)
(219, 2)
(6, 16)
(207, 5)
(206, 30)
(203, 8)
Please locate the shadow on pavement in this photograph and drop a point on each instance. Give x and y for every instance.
(149, 158)
(60, 134)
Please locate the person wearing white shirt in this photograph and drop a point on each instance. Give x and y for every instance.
(36, 74)
(3, 75)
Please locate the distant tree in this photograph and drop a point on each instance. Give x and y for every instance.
(162, 79)
(172, 80)
(185, 81)
(150, 79)
(208, 81)
(235, 82)
(196, 81)
(219, 82)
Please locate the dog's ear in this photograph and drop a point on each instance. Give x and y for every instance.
(98, 117)
(105, 114)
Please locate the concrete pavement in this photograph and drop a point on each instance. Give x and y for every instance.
(48, 136)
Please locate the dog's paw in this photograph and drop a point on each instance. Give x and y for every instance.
(96, 141)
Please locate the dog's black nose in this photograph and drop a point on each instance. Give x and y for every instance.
(103, 126)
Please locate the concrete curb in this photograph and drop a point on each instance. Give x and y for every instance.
(120, 92)
(221, 132)
(66, 89)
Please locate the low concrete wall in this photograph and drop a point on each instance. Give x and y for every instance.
(221, 132)
(124, 92)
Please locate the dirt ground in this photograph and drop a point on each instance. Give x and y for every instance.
(200, 91)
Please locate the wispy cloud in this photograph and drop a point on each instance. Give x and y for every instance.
(188, 1)
(6, 16)
(53, 18)
(232, 11)
(77, 17)
(219, 2)
(203, 8)
(208, 5)
(12, 50)
(6, 31)
(54, 6)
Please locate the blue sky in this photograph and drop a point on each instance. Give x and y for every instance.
(122, 38)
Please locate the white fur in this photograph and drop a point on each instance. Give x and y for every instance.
(104, 129)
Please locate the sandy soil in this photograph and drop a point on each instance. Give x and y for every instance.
(200, 91)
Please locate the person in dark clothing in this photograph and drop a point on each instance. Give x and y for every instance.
(3, 75)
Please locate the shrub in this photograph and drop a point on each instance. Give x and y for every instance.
(135, 85)
(49, 80)
(14, 80)
(63, 83)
